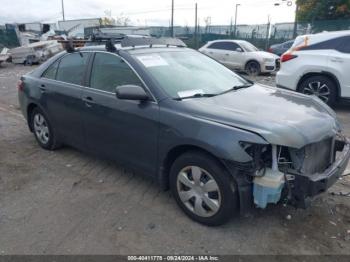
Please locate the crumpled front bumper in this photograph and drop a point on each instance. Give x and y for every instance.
(306, 186)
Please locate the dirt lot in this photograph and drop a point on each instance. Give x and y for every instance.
(66, 202)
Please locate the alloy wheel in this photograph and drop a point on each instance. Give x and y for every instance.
(198, 191)
(318, 89)
(253, 69)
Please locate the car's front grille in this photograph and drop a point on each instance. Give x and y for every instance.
(313, 158)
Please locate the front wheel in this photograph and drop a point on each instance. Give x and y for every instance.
(253, 68)
(203, 189)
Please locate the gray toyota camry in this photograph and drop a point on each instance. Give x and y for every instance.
(221, 143)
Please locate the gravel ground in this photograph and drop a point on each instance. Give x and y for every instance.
(67, 202)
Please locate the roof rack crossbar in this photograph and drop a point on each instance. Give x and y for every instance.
(110, 45)
(151, 41)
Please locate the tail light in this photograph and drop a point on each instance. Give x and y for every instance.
(287, 56)
(20, 85)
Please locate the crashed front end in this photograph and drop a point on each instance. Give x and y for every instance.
(315, 168)
(294, 176)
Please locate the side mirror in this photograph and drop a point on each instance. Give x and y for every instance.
(239, 50)
(131, 92)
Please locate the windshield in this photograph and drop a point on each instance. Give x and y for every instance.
(189, 73)
(248, 47)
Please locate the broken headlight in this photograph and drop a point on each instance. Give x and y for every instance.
(257, 152)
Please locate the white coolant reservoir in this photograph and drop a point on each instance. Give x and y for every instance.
(268, 188)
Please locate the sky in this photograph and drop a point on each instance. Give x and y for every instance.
(148, 12)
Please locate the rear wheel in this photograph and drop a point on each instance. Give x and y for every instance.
(29, 61)
(203, 189)
(43, 131)
(321, 86)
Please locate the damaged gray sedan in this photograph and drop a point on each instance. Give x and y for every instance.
(221, 143)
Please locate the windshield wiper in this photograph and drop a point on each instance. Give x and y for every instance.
(197, 95)
(236, 88)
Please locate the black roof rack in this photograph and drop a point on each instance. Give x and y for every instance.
(150, 41)
(110, 46)
(99, 36)
(127, 41)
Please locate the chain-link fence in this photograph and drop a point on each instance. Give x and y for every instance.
(261, 35)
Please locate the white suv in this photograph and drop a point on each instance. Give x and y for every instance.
(242, 56)
(318, 65)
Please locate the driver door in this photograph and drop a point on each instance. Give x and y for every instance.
(121, 130)
(231, 57)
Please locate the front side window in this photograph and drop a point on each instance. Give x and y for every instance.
(110, 71)
(72, 68)
(184, 73)
(224, 46)
(248, 47)
(288, 44)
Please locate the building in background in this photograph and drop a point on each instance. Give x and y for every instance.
(75, 28)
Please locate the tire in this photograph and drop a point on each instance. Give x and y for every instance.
(28, 61)
(43, 131)
(211, 184)
(252, 68)
(321, 86)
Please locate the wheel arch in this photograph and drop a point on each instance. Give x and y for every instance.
(252, 60)
(30, 109)
(322, 73)
(244, 188)
(173, 154)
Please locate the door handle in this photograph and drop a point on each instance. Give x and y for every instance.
(42, 88)
(337, 60)
(88, 101)
(227, 54)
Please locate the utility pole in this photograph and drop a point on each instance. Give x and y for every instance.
(268, 32)
(172, 19)
(196, 27)
(63, 10)
(235, 30)
(290, 3)
(295, 29)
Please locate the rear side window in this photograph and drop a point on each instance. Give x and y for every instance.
(344, 45)
(224, 46)
(50, 73)
(110, 71)
(341, 44)
(72, 68)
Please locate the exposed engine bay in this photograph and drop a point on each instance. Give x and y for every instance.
(295, 175)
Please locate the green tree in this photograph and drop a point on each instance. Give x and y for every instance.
(314, 10)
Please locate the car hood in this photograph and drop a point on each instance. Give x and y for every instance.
(281, 117)
(263, 54)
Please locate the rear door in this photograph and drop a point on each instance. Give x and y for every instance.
(121, 130)
(339, 59)
(62, 90)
